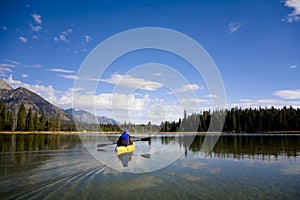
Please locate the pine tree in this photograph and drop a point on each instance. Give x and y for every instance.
(21, 121)
(29, 121)
(51, 126)
(3, 116)
(43, 122)
(36, 122)
(58, 122)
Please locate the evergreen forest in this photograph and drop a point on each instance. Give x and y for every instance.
(236, 120)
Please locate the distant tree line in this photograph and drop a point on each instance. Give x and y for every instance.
(236, 120)
(240, 120)
(27, 120)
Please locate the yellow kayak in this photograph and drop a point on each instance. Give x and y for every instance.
(124, 149)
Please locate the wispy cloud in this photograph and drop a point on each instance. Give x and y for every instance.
(295, 14)
(132, 82)
(4, 70)
(190, 87)
(38, 21)
(61, 70)
(4, 28)
(73, 77)
(256, 103)
(292, 66)
(24, 75)
(288, 94)
(157, 74)
(15, 64)
(211, 96)
(7, 65)
(46, 92)
(35, 28)
(37, 18)
(23, 39)
(56, 39)
(63, 36)
(87, 38)
(234, 27)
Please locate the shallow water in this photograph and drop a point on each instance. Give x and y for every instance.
(73, 167)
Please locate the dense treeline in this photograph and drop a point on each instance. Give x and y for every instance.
(27, 120)
(5, 118)
(240, 120)
(236, 120)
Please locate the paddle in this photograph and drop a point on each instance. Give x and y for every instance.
(142, 139)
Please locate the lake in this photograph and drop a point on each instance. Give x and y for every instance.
(246, 166)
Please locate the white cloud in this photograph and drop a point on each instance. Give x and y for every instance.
(245, 100)
(234, 27)
(46, 92)
(4, 70)
(37, 18)
(24, 75)
(132, 82)
(35, 28)
(288, 94)
(295, 14)
(190, 87)
(211, 96)
(103, 101)
(35, 37)
(7, 65)
(73, 77)
(61, 70)
(63, 36)
(157, 74)
(87, 38)
(191, 101)
(56, 39)
(277, 103)
(23, 39)
(292, 66)
(13, 62)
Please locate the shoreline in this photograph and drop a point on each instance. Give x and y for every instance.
(140, 133)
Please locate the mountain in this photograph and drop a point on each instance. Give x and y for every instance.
(82, 116)
(87, 117)
(106, 120)
(5, 86)
(13, 98)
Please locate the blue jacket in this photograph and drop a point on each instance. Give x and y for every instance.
(125, 137)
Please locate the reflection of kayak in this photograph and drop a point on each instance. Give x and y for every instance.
(123, 149)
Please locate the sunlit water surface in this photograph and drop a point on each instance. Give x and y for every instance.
(63, 167)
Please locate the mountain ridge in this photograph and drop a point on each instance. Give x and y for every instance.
(13, 98)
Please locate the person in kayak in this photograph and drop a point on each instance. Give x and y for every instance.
(124, 139)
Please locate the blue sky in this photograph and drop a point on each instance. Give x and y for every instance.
(255, 46)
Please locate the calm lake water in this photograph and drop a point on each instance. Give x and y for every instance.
(167, 167)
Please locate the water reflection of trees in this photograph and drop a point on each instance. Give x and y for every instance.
(36, 142)
(25, 152)
(241, 146)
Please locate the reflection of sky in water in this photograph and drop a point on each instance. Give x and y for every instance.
(74, 173)
(144, 158)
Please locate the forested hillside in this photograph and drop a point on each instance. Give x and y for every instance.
(242, 120)
(236, 120)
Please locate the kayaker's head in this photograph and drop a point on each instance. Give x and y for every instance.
(126, 131)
